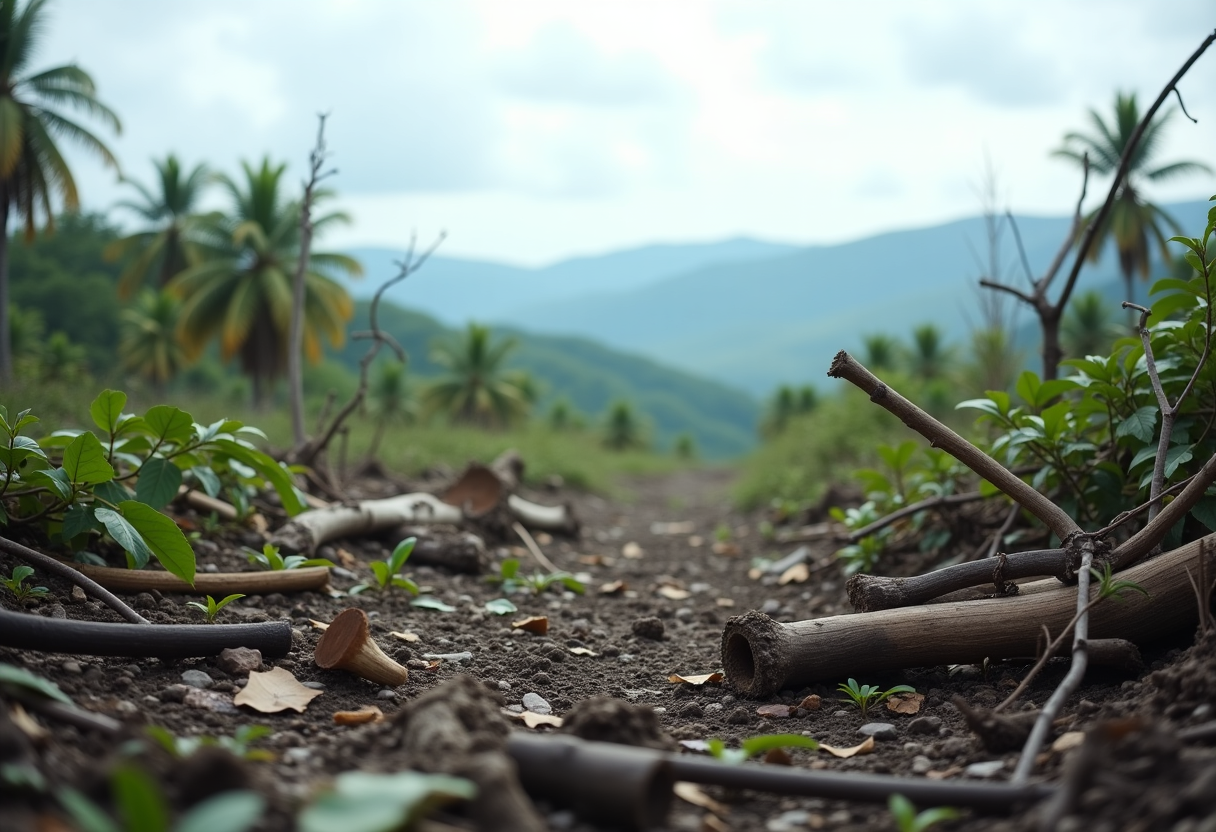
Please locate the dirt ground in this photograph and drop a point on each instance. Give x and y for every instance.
(678, 590)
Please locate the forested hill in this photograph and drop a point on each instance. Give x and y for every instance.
(721, 420)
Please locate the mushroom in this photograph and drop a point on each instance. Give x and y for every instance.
(348, 645)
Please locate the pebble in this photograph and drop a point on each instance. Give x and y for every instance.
(1202, 711)
(841, 712)
(151, 700)
(296, 756)
(210, 567)
(985, 770)
(626, 658)
(925, 725)
(921, 764)
(314, 685)
(770, 607)
(788, 821)
(197, 678)
(684, 614)
(515, 709)
(174, 693)
(126, 707)
(879, 731)
(659, 710)
(693, 711)
(954, 746)
(912, 748)
(504, 685)
(713, 708)
(728, 700)
(387, 694)
(464, 656)
(78, 596)
(57, 611)
(648, 627)
(739, 716)
(536, 703)
(71, 666)
(239, 661)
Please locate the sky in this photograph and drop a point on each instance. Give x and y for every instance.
(535, 130)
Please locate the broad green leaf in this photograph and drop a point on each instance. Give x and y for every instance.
(77, 520)
(1028, 387)
(125, 535)
(362, 802)
(21, 449)
(271, 470)
(112, 492)
(1141, 424)
(169, 424)
(1205, 512)
(501, 606)
(381, 570)
(1172, 284)
(84, 460)
(55, 479)
(13, 676)
(208, 479)
(139, 800)
(1049, 390)
(232, 811)
(755, 745)
(159, 480)
(86, 814)
(1176, 456)
(986, 405)
(106, 409)
(428, 603)
(163, 537)
(401, 553)
(59, 438)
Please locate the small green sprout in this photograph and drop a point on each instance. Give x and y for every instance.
(723, 533)
(1108, 587)
(387, 571)
(270, 559)
(239, 743)
(212, 608)
(865, 696)
(755, 745)
(512, 581)
(16, 584)
(908, 820)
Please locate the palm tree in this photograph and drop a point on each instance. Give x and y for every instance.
(32, 168)
(1132, 220)
(881, 351)
(392, 399)
(623, 429)
(164, 249)
(241, 288)
(148, 344)
(929, 357)
(477, 390)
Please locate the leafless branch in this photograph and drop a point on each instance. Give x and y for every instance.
(1182, 104)
(912, 508)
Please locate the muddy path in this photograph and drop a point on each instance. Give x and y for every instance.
(665, 564)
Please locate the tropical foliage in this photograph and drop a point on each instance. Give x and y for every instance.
(476, 388)
(149, 345)
(33, 172)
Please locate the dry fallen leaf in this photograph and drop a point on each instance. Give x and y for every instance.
(691, 793)
(696, 680)
(433, 666)
(412, 638)
(582, 651)
(778, 757)
(724, 602)
(28, 725)
(755, 574)
(346, 559)
(943, 775)
(368, 713)
(777, 711)
(533, 720)
(726, 549)
(613, 587)
(844, 753)
(274, 691)
(811, 703)
(318, 625)
(258, 523)
(674, 593)
(905, 703)
(1068, 741)
(538, 624)
(632, 551)
(797, 573)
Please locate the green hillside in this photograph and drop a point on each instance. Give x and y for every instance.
(722, 420)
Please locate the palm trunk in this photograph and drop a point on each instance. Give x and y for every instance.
(6, 338)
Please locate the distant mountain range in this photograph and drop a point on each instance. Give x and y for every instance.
(746, 313)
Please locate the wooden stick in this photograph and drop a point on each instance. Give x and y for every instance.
(533, 548)
(209, 583)
(761, 656)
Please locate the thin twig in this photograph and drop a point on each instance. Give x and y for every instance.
(912, 508)
(1014, 511)
(1182, 104)
(90, 586)
(526, 537)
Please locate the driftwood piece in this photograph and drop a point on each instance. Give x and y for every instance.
(208, 583)
(443, 546)
(761, 656)
(308, 530)
(456, 729)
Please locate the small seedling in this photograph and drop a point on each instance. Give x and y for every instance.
(387, 571)
(1108, 587)
(908, 820)
(239, 743)
(865, 696)
(756, 745)
(270, 559)
(723, 533)
(16, 584)
(512, 581)
(212, 608)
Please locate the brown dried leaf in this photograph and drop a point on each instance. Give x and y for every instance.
(674, 593)
(811, 703)
(943, 775)
(797, 573)
(583, 651)
(905, 703)
(691, 793)
(346, 559)
(726, 549)
(258, 523)
(696, 680)
(778, 757)
(274, 691)
(28, 725)
(844, 753)
(533, 720)
(777, 711)
(755, 574)
(613, 588)
(318, 625)
(595, 560)
(366, 714)
(432, 666)
(412, 638)
(632, 551)
(538, 624)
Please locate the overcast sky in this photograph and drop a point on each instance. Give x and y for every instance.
(533, 131)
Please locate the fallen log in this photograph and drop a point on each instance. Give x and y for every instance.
(308, 530)
(761, 656)
(208, 583)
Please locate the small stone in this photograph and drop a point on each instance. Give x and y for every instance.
(659, 710)
(210, 568)
(954, 746)
(879, 731)
(174, 693)
(929, 725)
(693, 711)
(739, 716)
(536, 703)
(788, 821)
(912, 748)
(459, 658)
(418, 664)
(78, 596)
(728, 700)
(840, 713)
(713, 708)
(197, 679)
(648, 627)
(57, 611)
(626, 658)
(295, 756)
(145, 601)
(921, 764)
(684, 614)
(985, 770)
(151, 700)
(314, 685)
(71, 666)
(542, 678)
(387, 694)
(239, 661)
(1202, 711)
(770, 607)
(515, 709)
(126, 707)
(504, 685)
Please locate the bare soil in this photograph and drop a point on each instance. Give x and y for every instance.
(1139, 776)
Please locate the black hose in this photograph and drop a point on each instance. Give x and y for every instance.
(164, 641)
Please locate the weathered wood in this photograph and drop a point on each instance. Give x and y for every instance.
(761, 656)
(308, 530)
(208, 583)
